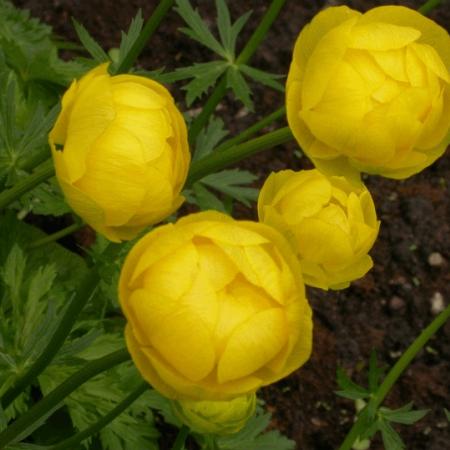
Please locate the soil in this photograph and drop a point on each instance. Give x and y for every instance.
(386, 309)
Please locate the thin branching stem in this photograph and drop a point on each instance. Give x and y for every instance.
(251, 131)
(393, 375)
(219, 160)
(247, 52)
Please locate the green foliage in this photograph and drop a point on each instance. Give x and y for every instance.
(29, 50)
(90, 44)
(232, 184)
(205, 75)
(379, 420)
(253, 437)
(129, 39)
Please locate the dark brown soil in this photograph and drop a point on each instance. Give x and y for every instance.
(389, 307)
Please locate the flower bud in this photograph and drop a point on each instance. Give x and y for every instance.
(331, 224)
(120, 151)
(216, 308)
(370, 92)
(216, 417)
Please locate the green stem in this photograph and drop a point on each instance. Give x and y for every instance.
(74, 440)
(219, 160)
(58, 235)
(86, 290)
(200, 121)
(393, 375)
(246, 53)
(428, 6)
(260, 33)
(181, 438)
(249, 132)
(146, 33)
(24, 423)
(42, 173)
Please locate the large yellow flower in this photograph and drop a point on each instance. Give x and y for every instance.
(216, 308)
(331, 224)
(370, 92)
(120, 151)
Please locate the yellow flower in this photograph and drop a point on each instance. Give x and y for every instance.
(216, 308)
(331, 224)
(216, 417)
(120, 151)
(370, 92)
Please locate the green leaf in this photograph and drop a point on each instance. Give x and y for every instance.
(206, 199)
(391, 439)
(90, 44)
(198, 30)
(349, 389)
(236, 29)
(231, 182)
(447, 414)
(224, 26)
(237, 83)
(12, 275)
(204, 76)
(46, 199)
(129, 39)
(266, 78)
(252, 436)
(404, 415)
(209, 137)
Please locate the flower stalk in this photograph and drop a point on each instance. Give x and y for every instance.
(401, 365)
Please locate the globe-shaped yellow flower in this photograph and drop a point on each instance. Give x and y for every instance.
(331, 224)
(216, 308)
(370, 92)
(218, 417)
(120, 151)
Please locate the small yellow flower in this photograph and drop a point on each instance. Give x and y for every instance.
(216, 308)
(331, 224)
(120, 151)
(216, 417)
(370, 92)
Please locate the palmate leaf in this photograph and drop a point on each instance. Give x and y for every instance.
(266, 78)
(405, 415)
(232, 182)
(252, 436)
(204, 76)
(349, 389)
(198, 30)
(206, 200)
(209, 137)
(391, 439)
(239, 86)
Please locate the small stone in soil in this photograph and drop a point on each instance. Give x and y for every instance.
(435, 259)
(437, 303)
(396, 303)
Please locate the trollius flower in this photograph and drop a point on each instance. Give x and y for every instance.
(120, 151)
(216, 308)
(331, 224)
(370, 92)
